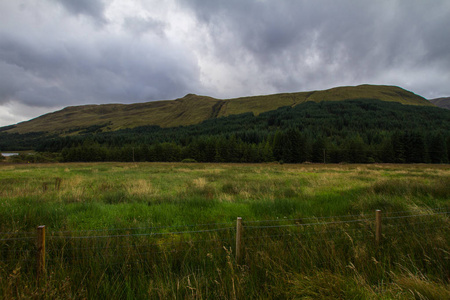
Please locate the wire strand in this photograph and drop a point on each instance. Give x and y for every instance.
(144, 228)
(412, 216)
(308, 224)
(141, 234)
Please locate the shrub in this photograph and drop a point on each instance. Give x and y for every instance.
(188, 160)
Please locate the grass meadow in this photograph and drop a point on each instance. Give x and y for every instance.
(167, 230)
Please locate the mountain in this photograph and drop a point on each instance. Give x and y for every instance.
(193, 109)
(441, 102)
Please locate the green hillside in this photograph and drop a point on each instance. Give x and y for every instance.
(441, 102)
(355, 131)
(259, 104)
(193, 109)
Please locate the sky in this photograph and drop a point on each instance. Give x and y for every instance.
(59, 53)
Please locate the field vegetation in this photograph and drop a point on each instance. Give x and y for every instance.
(167, 230)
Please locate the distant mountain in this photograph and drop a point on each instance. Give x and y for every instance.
(441, 102)
(193, 109)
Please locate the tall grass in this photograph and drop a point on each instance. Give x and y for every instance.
(110, 231)
(338, 260)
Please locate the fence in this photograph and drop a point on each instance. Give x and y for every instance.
(36, 250)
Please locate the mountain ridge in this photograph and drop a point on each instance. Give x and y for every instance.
(443, 102)
(193, 109)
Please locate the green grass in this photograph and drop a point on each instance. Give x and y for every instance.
(114, 206)
(261, 191)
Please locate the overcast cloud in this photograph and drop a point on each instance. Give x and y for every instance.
(57, 53)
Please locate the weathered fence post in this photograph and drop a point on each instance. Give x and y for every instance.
(40, 251)
(378, 226)
(58, 183)
(44, 187)
(238, 240)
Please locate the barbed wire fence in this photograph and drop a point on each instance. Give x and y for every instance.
(41, 250)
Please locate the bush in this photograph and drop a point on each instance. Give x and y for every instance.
(188, 160)
(37, 157)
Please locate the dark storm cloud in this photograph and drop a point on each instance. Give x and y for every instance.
(112, 71)
(69, 66)
(55, 53)
(319, 43)
(92, 8)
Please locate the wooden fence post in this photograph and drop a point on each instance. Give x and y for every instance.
(58, 183)
(378, 226)
(238, 240)
(40, 251)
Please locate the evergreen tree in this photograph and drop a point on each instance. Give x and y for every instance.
(277, 147)
(415, 150)
(356, 150)
(398, 147)
(319, 150)
(438, 149)
(387, 151)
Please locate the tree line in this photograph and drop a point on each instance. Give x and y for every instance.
(353, 131)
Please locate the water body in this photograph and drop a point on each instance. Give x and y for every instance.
(9, 154)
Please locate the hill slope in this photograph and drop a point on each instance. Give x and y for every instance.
(193, 109)
(441, 102)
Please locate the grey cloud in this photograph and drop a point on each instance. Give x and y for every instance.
(56, 53)
(118, 69)
(10, 82)
(91, 8)
(357, 41)
(140, 26)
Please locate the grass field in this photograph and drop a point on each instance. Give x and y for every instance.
(98, 218)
